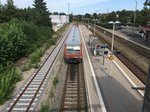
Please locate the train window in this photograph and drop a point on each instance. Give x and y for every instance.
(71, 51)
(77, 51)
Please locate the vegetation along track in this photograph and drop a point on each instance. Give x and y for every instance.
(74, 97)
(27, 99)
(101, 33)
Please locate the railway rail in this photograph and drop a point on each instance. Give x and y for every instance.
(74, 97)
(28, 98)
(141, 75)
(136, 47)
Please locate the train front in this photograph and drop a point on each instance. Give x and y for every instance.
(73, 47)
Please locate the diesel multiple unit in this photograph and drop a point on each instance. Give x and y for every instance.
(73, 46)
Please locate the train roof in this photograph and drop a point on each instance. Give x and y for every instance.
(74, 36)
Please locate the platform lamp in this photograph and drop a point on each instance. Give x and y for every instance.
(111, 22)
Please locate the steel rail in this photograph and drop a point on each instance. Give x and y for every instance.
(140, 74)
(73, 74)
(64, 89)
(37, 73)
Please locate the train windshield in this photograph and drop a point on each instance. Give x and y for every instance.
(72, 51)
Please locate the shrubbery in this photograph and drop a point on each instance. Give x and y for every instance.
(9, 76)
(23, 33)
(13, 42)
(18, 39)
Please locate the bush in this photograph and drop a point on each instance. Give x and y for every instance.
(13, 42)
(18, 39)
(55, 81)
(8, 79)
(35, 57)
(31, 31)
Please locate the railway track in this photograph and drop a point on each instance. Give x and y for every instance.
(141, 75)
(28, 98)
(136, 47)
(74, 97)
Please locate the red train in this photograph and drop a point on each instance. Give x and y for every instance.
(73, 47)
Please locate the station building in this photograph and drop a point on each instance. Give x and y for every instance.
(58, 21)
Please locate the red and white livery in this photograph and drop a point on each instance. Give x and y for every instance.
(73, 46)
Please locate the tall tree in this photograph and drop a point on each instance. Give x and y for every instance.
(42, 13)
(10, 10)
(147, 2)
(10, 3)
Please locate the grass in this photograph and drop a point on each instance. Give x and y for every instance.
(55, 81)
(44, 108)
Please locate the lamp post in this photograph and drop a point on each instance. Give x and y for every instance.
(95, 21)
(94, 26)
(112, 43)
(135, 13)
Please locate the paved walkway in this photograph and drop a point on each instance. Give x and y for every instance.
(115, 87)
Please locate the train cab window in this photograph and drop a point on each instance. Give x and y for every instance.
(77, 51)
(71, 51)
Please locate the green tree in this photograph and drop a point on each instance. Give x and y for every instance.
(55, 13)
(71, 17)
(9, 11)
(147, 3)
(42, 14)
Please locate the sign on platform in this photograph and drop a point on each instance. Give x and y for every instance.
(111, 57)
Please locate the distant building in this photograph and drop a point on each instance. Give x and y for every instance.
(58, 21)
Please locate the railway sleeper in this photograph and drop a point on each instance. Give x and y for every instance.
(71, 96)
(68, 108)
(71, 89)
(71, 92)
(72, 86)
(72, 82)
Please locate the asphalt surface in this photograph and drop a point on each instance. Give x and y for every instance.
(115, 88)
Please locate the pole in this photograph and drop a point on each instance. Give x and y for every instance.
(110, 68)
(112, 44)
(68, 9)
(68, 12)
(103, 56)
(94, 27)
(135, 14)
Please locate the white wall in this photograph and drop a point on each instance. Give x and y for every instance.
(58, 21)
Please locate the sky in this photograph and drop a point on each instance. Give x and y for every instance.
(83, 6)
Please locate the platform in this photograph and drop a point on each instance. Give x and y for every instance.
(115, 85)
